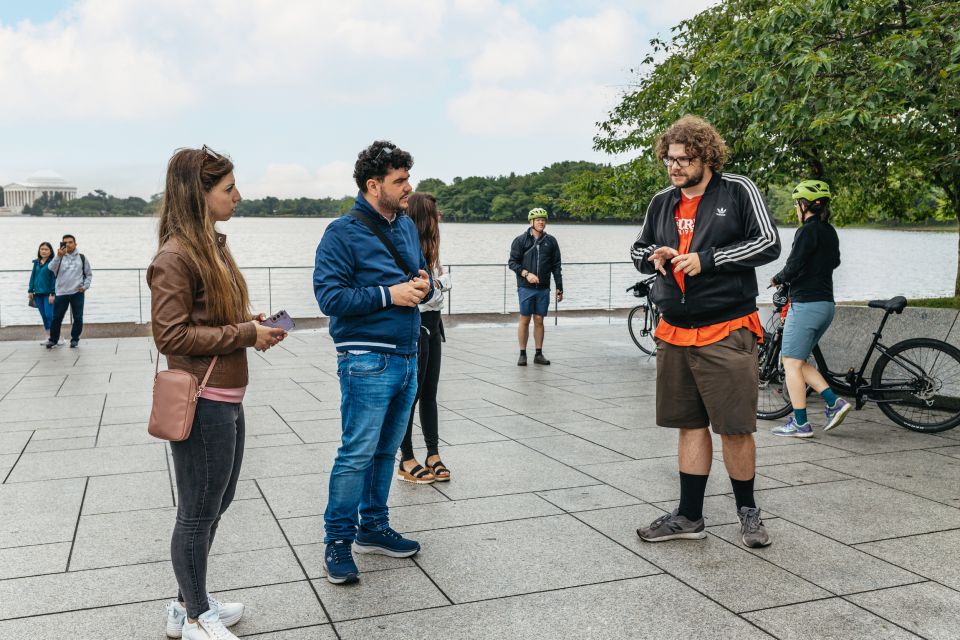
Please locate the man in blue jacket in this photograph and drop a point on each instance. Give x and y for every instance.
(375, 325)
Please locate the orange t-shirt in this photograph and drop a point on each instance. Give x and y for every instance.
(685, 218)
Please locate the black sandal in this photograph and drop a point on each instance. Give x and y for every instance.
(439, 468)
(417, 475)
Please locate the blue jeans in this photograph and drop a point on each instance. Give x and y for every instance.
(60, 304)
(42, 300)
(376, 395)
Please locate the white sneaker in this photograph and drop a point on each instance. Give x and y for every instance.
(207, 627)
(230, 614)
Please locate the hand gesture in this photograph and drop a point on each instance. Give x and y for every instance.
(62, 251)
(689, 263)
(532, 278)
(51, 298)
(267, 336)
(29, 296)
(661, 256)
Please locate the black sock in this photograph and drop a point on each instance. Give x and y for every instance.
(539, 352)
(692, 488)
(523, 352)
(743, 492)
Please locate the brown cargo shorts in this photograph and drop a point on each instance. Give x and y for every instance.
(715, 385)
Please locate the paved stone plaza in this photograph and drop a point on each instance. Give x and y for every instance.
(553, 470)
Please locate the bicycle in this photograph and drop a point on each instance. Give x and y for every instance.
(915, 383)
(646, 315)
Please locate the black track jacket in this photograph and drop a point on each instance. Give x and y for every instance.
(733, 233)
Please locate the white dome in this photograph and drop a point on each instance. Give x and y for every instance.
(46, 178)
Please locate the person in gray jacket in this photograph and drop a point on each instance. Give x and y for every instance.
(74, 277)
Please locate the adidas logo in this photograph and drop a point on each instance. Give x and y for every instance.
(721, 211)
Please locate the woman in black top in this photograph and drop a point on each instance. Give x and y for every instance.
(809, 274)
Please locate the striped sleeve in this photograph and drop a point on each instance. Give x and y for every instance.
(762, 242)
(644, 244)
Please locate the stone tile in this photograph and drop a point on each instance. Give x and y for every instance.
(303, 530)
(14, 442)
(37, 387)
(34, 560)
(929, 610)
(552, 552)
(466, 432)
(871, 437)
(870, 512)
(518, 426)
(832, 619)
(61, 444)
(311, 556)
(824, 562)
(710, 566)
(318, 430)
(320, 632)
(113, 539)
(638, 443)
(126, 415)
(923, 473)
(276, 607)
(626, 418)
(953, 452)
(89, 462)
(306, 495)
(14, 409)
(598, 496)
(573, 450)
(128, 492)
(57, 428)
(270, 462)
(529, 471)
(66, 432)
(260, 421)
(115, 435)
(449, 514)
(930, 555)
(380, 593)
(799, 473)
(41, 595)
(23, 523)
(658, 479)
(803, 452)
(595, 612)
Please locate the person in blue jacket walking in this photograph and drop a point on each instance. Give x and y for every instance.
(42, 286)
(375, 325)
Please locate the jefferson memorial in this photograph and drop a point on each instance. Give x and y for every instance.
(16, 195)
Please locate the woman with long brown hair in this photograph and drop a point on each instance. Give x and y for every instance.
(422, 208)
(201, 309)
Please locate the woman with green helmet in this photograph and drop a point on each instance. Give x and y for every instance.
(809, 275)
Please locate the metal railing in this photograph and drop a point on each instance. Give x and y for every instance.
(122, 294)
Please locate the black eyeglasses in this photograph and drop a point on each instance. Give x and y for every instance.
(683, 161)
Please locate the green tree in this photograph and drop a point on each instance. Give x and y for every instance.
(864, 93)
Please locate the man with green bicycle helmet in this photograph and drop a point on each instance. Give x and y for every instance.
(534, 256)
(809, 275)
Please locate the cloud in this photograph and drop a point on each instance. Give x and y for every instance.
(333, 180)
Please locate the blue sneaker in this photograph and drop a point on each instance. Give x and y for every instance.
(338, 559)
(837, 413)
(792, 429)
(387, 542)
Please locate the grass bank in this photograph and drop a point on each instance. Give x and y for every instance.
(951, 302)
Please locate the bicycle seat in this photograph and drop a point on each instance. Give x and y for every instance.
(893, 305)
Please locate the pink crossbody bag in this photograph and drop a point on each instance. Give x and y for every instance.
(175, 395)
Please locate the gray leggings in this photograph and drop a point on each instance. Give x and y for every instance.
(207, 466)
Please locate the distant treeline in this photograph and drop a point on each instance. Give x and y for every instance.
(570, 191)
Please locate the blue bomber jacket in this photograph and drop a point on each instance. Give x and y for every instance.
(352, 276)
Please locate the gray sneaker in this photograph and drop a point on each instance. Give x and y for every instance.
(752, 531)
(672, 526)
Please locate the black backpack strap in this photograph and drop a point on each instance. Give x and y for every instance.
(377, 231)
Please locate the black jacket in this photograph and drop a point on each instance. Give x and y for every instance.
(733, 233)
(539, 257)
(813, 257)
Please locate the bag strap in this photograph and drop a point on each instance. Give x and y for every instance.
(377, 231)
(206, 376)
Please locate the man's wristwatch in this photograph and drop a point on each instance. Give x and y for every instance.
(524, 273)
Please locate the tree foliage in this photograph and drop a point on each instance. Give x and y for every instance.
(864, 93)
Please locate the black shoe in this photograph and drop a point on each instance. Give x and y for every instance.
(539, 359)
(49, 345)
(74, 343)
(522, 362)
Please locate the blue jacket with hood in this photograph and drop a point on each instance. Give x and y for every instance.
(352, 276)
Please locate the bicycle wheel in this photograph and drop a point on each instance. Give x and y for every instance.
(917, 385)
(773, 401)
(641, 322)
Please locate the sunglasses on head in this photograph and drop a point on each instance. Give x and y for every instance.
(210, 152)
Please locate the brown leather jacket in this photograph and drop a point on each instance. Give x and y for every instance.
(181, 327)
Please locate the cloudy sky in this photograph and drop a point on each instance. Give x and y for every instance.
(102, 91)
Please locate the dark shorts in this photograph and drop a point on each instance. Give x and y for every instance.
(534, 302)
(715, 385)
